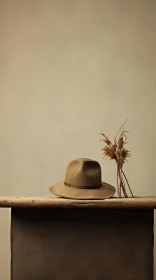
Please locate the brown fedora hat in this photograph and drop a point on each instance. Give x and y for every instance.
(83, 181)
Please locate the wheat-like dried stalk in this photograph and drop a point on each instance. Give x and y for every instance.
(116, 151)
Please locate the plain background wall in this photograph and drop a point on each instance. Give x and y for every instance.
(69, 70)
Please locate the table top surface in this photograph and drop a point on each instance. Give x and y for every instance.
(55, 202)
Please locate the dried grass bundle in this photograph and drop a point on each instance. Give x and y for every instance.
(117, 151)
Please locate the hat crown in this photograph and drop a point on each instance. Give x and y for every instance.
(83, 173)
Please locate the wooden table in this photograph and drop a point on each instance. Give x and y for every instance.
(64, 239)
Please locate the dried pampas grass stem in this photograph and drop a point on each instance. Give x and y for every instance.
(116, 151)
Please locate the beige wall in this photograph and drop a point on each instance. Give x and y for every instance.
(69, 70)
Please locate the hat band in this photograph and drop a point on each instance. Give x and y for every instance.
(83, 187)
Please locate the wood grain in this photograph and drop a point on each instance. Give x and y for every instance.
(54, 202)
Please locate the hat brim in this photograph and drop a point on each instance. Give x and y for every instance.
(105, 191)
